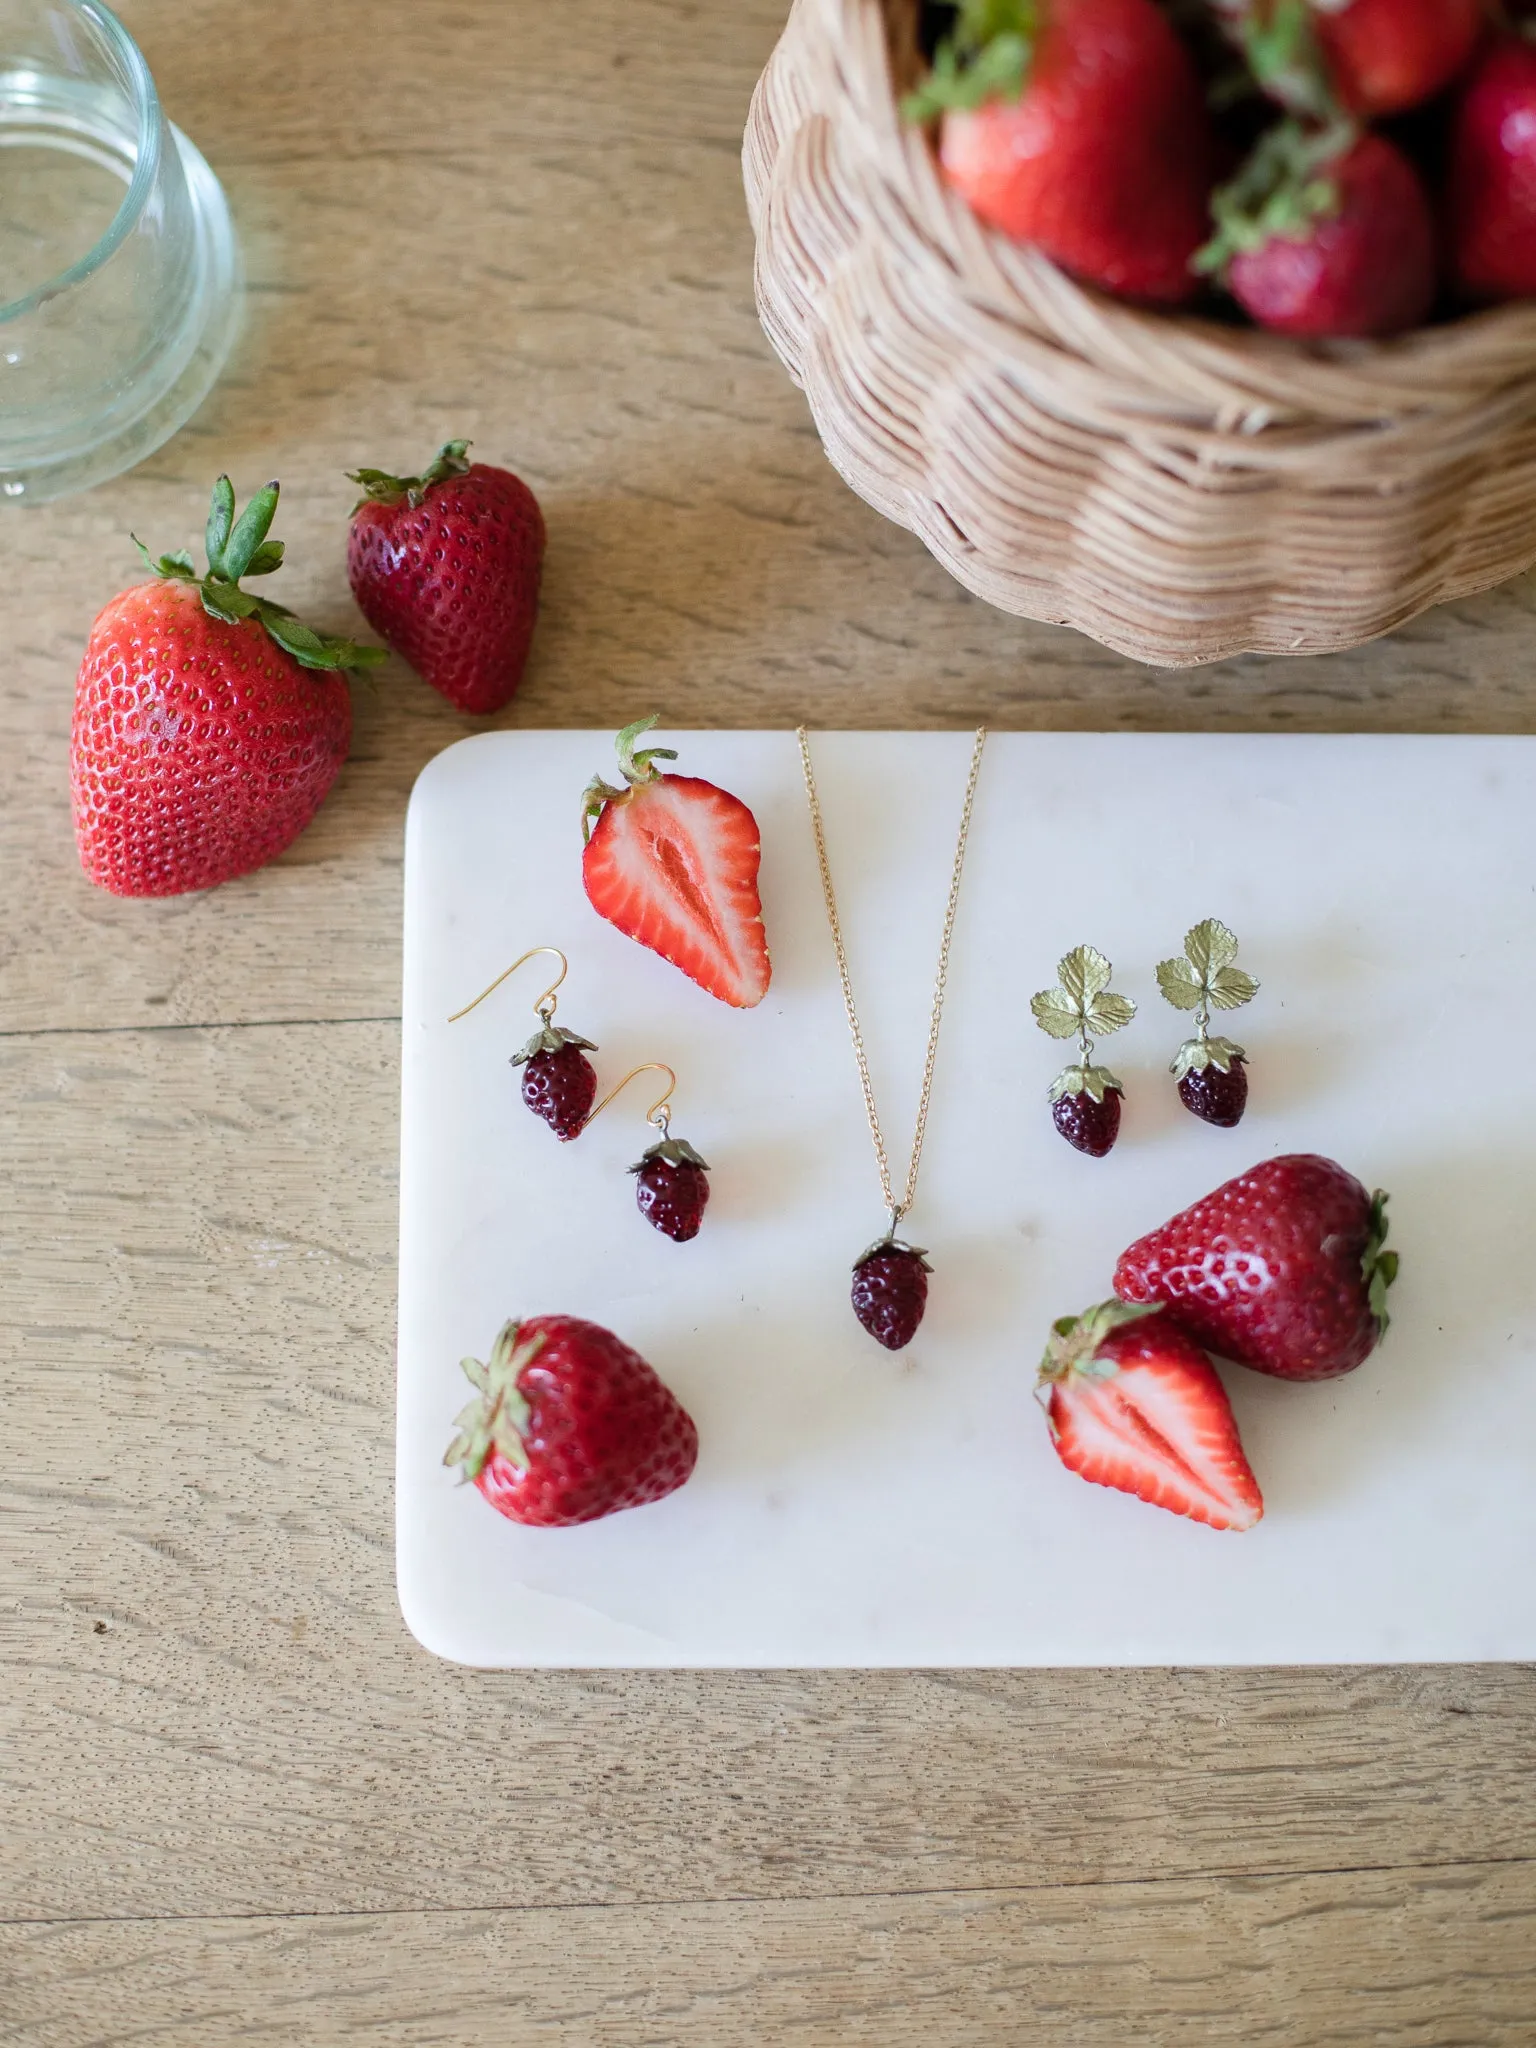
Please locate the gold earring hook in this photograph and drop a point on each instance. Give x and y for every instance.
(545, 1006)
(659, 1112)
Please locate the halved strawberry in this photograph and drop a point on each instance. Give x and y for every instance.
(673, 862)
(1134, 1404)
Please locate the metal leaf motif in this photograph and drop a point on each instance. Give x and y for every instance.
(1178, 984)
(1230, 988)
(1210, 946)
(1054, 1013)
(1106, 1013)
(1084, 972)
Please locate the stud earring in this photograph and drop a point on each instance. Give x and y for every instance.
(1212, 1073)
(671, 1181)
(559, 1081)
(1085, 1099)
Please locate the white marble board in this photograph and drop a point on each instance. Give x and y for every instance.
(855, 1508)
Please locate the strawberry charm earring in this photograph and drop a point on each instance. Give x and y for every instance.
(671, 1180)
(1085, 1099)
(1211, 1072)
(559, 1081)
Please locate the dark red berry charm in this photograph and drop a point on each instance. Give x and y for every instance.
(672, 1189)
(890, 1291)
(1085, 1099)
(1212, 1073)
(1089, 1121)
(559, 1081)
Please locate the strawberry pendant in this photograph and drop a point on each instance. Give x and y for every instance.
(890, 1291)
(559, 1081)
(1211, 1073)
(672, 862)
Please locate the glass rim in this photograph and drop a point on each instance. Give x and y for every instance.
(146, 104)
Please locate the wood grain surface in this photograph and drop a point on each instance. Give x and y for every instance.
(235, 1800)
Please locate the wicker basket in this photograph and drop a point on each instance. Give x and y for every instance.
(1179, 489)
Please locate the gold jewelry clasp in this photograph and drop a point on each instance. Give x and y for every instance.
(660, 1112)
(545, 1006)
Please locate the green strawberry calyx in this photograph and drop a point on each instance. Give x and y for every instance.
(1378, 1266)
(380, 488)
(672, 1152)
(636, 764)
(986, 56)
(1283, 189)
(496, 1421)
(1280, 44)
(238, 548)
(1196, 1054)
(1074, 1349)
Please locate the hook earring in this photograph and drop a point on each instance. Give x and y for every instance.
(671, 1184)
(1212, 1073)
(559, 1081)
(1085, 1099)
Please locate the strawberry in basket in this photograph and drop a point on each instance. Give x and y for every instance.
(1370, 57)
(1079, 126)
(1493, 174)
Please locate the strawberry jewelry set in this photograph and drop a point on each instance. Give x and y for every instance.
(1282, 1269)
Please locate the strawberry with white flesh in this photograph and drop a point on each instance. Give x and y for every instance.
(209, 723)
(673, 862)
(1326, 233)
(568, 1424)
(1079, 126)
(1284, 1269)
(1493, 174)
(1134, 1404)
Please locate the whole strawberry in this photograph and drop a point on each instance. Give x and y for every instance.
(209, 723)
(1364, 57)
(672, 1189)
(672, 862)
(568, 1424)
(1134, 1404)
(1493, 175)
(1079, 126)
(1326, 234)
(1283, 1269)
(559, 1081)
(890, 1292)
(446, 567)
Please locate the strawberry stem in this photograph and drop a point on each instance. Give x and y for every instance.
(240, 547)
(986, 57)
(1075, 1340)
(1281, 190)
(636, 764)
(497, 1418)
(381, 488)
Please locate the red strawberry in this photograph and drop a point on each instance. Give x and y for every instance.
(1079, 126)
(446, 568)
(1282, 1269)
(1365, 57)
(209, 724)
(1326, 234)
(1132, 1403)
(559, 1081)
(1389, 55)
(1493, 176)
(672, 1189)
(568, 1425)
(673, 862)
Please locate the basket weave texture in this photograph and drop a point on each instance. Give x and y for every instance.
(1179, 489)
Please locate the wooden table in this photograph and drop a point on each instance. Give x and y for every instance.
(238, 1802)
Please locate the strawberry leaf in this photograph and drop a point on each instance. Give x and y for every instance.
(1055, 1013)
(1106, 1013)
(1179, 984)
(250, 530)
(1209, 945)
(987, 57)
(1230, 988)
(381, 488)
(1083, 972)
(221, 520)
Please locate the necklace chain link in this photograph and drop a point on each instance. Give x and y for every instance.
(897, 1209)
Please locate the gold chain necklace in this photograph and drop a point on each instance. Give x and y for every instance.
(890, 1286)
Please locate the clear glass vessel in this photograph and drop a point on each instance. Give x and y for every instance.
(119, 268)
